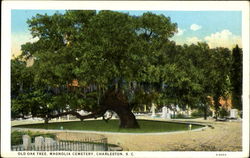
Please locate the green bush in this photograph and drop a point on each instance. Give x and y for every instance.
(16, 137)
(200, 113)
(223, 113)
(180, 116)
(197, 114)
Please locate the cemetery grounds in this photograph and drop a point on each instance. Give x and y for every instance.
(218, 136)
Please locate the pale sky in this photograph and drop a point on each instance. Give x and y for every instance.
(217, 28)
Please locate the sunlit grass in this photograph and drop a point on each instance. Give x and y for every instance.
(146, 126)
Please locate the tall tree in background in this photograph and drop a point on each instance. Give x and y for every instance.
(21, 79)
(236, 77)
(219, 76)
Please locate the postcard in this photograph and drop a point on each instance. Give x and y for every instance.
(125, 79)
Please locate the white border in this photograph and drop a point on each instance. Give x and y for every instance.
(122, 5)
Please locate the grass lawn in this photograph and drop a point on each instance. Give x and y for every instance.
(146, 126)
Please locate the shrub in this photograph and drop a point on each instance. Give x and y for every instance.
(180, 116)
(200, 113)
(223, 113)
(196, 114)
(16, 137)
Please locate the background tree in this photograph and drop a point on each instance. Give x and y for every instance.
(195, 62)
(236, 77)
(220, 63)
(21, 83)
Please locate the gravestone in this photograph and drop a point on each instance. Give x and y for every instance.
(166, 113)
(26, 142)
(177, 108)
(49, 143)
(39, 143)
(233, 113)
(188, 111)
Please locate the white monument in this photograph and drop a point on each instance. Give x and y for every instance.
(166, 113)
(26, 142)
(108, 114)
(233, 113)
(49, 143)
(145, 108)
(153, 110)
(39, 142)
(82, 112)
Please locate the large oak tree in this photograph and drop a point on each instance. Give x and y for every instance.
(111, 55)
(107, 60)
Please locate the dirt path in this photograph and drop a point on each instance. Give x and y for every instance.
(224, 136)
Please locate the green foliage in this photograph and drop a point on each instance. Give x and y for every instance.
(236, 77)
(16, 137)
(197, 114)
(223, 113)
(180, 116)
(109, 49)
(21, 83)
(98, 49)
(200, 113)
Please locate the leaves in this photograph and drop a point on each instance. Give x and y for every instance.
(109, 49)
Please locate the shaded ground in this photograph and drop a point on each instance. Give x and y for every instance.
(224, 136)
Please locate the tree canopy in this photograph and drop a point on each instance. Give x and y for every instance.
(118, 62)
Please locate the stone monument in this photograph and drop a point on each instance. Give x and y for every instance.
(39, 143)
(26, 142)
(49, 143)
(166, 113)
(233, 113)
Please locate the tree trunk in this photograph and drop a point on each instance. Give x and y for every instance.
(113, 100)
(46, 120)
(116, 101)
(205, 112)
(217, 106)
(127, 118)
